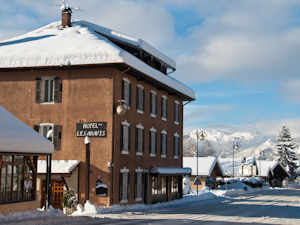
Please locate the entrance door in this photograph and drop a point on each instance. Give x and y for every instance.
(56, 193)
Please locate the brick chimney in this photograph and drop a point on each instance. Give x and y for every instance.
(66, 17)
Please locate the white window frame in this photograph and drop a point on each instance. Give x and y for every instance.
(176, 156)
(153, 103)
(164, 145)
(126, 140)
(176, 110)
(141, 99)
(124, 198)
(164, 104)
(139, 184)
(127, 92)
(153, 143)
(140, 129)
(42, 131)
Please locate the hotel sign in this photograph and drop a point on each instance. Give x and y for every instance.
(92, 129)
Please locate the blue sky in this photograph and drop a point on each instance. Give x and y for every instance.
(240, 56)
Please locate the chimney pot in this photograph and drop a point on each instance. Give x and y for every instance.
(66, 18)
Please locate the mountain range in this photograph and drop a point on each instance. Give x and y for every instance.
(252, 144)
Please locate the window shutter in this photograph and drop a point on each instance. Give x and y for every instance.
(155, 104)
(130, 90)
(121, 186)
(155, 142)
(175, 112)
(136, 139)
(137, 97)
(129, 128)
(161, 143)
(143, 182)
(55, 136)
(123, 91)
(174, 151)
(162, 107)
(143, 140)
(166, 143)
(56, 89)
(151, 108)
(38, 89)
(135, 184)
(143, 100)
(166, 108)
(122, 136)
(37, 128)
(128, 187)
(150, 139)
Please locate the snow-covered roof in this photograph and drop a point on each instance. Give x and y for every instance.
(17, 137)
(205, 165)
(52, 46)
(58, 166)
(138, 43)
(227, 164)
(268, 167)
(170, 171)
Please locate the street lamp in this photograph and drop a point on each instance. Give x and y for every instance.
(87, 171)
(200, 136)
(235, 146)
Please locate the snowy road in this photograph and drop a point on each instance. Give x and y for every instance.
(266, 207)
(279, 206)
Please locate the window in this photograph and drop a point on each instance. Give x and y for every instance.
(176, 146)
(17, 178)
(153, 103)
(163, 141)
(51, 132)
(125, 137)
(138, 184)
(139, 139)
(176, 112)
(47, 90)
(153, 142)
(124, 185)
(164, 108)
(126, 91)
(140, 99)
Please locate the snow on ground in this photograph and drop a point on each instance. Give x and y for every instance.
(39, 216)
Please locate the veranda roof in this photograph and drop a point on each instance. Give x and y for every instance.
(17, 137)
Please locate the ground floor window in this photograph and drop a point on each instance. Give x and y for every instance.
(124, 185)
(17, 178)
(138, 184)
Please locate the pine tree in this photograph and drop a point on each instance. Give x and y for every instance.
(208, 150)
(189, 148)
(285, 152)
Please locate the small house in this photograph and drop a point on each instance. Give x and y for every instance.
(207, 167)
(20, 147)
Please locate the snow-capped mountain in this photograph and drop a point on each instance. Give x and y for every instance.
(252, 144)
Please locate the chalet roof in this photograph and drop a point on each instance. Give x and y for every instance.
(227, 164)
(205, 165)
(80, 45)
(17, 137)
(268, 167)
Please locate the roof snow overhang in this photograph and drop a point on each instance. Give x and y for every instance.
(58, 167)
(169, 171)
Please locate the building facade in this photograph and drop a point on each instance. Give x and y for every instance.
(66, 100)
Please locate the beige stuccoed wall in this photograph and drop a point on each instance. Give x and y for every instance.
(17, 207)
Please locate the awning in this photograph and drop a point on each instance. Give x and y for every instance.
(169, 171)
(58, 167)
